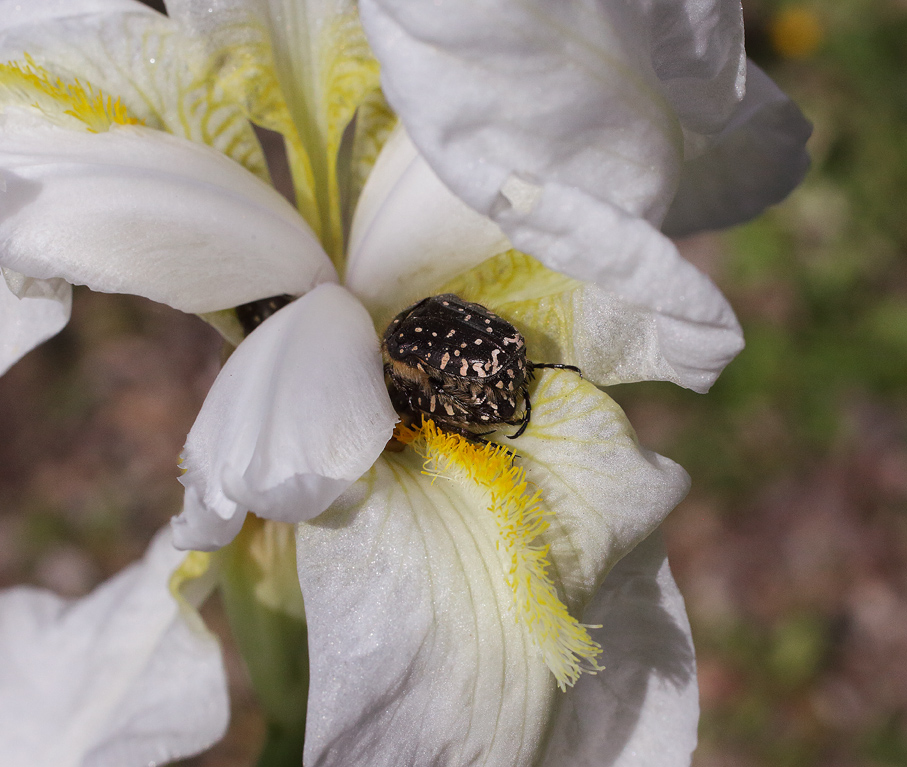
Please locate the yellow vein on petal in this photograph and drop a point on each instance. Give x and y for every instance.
(564, 643)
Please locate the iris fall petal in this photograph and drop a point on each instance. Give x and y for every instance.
(124, 677)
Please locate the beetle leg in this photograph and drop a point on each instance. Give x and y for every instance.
(524, 421)
(533, 366)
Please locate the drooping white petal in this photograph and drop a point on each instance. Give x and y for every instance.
(133, 210)
(31, 311)
(695, 327)
(557, 120)
(140, 57)
(417, 655)
(411, 234)
(576, 323)
(120, 678)
(297, 414)
(756, 160)
(642, 710)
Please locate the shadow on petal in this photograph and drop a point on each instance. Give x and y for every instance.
(642, 709)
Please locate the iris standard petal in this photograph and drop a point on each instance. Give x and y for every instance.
(418, 654)
(539, 91)
(297, 414)
(410, 233)
(300, 67)
(642, 710)
(124, 677)
(31, 311)
(132, 210)
(756, 161)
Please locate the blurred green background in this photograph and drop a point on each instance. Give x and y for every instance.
(791, 549)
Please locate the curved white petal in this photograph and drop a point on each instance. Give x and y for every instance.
(417, 656)
(696, 330)
(297, 414)
(410, 233)
(18, 12)
(31, 311)
(119, 678)
(643, 709)
(756, 161)
(134, 210)
(576, 323)
(538, 91)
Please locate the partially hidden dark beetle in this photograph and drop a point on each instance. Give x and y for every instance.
(459, 364)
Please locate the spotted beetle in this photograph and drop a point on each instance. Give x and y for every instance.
(459, 364)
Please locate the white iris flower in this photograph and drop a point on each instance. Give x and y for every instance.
(454, 597)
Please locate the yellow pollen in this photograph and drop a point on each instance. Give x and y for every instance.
(29, 84)
(563, 642)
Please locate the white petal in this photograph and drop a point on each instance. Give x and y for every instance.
(756, 161)
(417, 656)
(535, 91)
(297, 414)
(556, 121)
(16, 12)
(300, 67)
(36, 311)
(608, 493)
(696, 330)
(643, 709)
(134, 210)
(410, 233)
(575, 323)
(141, 58)
(119, 678)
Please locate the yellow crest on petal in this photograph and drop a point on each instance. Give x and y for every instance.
(70, 103)
(516, 506)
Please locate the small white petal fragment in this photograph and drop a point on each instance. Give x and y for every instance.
(417, 656)
(31, 311)
(133, 210)
(643, 709)
(756, 161)
(411, 233)
(123, 677)
(298, 412)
